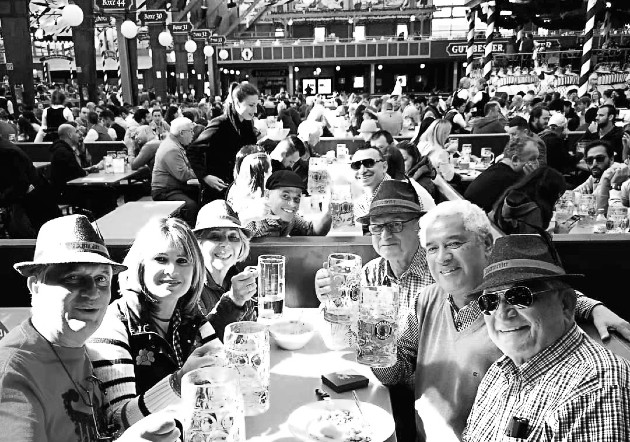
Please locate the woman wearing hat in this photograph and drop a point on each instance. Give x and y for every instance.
(155, 333)
(228, 289)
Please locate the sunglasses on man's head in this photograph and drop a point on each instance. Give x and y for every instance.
(367, 163)
(598, 158)
(519, 296)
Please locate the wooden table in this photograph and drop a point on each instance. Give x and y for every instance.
(296, 374)
(124, 222)
(41, 164)
(103, 179)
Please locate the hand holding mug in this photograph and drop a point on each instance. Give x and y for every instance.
(322, 282)
(244, 286)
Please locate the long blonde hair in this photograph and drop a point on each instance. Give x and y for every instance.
(179, 235)
(434, 137)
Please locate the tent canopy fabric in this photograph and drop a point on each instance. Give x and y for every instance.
(556, 14)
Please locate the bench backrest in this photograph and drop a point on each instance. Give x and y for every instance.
(97, 150)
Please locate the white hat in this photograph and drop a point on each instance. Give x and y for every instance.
(558, 120)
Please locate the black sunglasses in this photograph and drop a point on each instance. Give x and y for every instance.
(367, 163)
(519, 296)
(598, 158)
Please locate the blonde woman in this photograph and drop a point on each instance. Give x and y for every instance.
(432, 144)
(155, 333)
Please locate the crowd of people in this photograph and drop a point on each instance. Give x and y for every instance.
(486, 333)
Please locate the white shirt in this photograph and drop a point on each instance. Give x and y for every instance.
(92, 135)
(67, 114)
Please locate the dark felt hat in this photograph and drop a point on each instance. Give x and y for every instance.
(65, 240)
(284, 178)
(521, 258)
(394, 197)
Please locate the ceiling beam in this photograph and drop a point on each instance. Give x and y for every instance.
(182, 14)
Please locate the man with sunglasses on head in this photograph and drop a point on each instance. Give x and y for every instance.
(48, 391)
(443, 348)
(392, 220)
(606, 174)
(554, 382)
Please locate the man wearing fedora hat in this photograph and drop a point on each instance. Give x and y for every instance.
(392, 220)
(443, 348)
(48, 391)
(285, 192)
(554, 382)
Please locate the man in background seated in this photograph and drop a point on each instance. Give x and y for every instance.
(389, 119)
(554, 381)
(171, 170)
(492, 122)
(606, 174)
(285, 192)
(67, 162)
(603, 128)
(97, 131)
(8, 130)
(48, 391)
(370, 171)
(520, 158)
(558, 155)
(286, 153)
(24, 194)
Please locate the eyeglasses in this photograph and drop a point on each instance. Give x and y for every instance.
(105, 432)
(519, 296)
(215, 236)
(598, 158)
(367, 163)
(392, 227)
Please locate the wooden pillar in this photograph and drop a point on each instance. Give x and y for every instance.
(213, 75)
(181, 64)
(199, 62)
(158, 53)
(84, 50)
(18, 51)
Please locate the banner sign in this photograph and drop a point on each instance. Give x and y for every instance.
(152, 17)
(180, 27)
(55, 57)
(200, 34)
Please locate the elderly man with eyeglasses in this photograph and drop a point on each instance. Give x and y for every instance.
(443, 349)
(48, 391)
(554, 382)
(392, 221)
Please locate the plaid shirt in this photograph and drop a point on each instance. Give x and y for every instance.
(275, 227)
(410, 282)
(572, 390)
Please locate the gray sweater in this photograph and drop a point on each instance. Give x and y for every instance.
(171, 170)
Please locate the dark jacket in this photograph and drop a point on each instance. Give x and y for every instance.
(488, 125)
(424, 173)
(517, 213)
(290, 118)
(558, 155)
(219, 309)
(214, 151)
(63, 165)
(614, 137)
(490, 185)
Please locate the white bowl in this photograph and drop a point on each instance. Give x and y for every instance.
(292, 334)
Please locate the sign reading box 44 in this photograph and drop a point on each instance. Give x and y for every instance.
(114, 5)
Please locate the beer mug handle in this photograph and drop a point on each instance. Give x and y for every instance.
(491, 157)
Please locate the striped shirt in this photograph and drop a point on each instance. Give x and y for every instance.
(572, 390)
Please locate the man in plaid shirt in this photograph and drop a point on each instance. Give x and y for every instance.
(393, 223)
(554, 382)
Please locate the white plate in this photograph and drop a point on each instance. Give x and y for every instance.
(302, 420)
